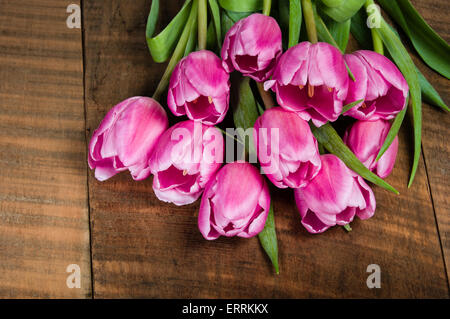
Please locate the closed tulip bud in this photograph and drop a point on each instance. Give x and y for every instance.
(311, 80)
(126, 138)
(186, 158)
(236, 202)
(379, 83)
(252, 46)
(294, 156)
(334, 197)
(365, 139)
(199, 88)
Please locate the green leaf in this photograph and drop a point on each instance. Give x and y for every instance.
(340, 31)
(429, 45)
(241, 5)
(162, 45)
(332, 3)
(236, 16)
(347, 107)
(268, 239)
(362, 34)
(430, 95)
(295, 21)
(211, 37)
(409, 70)
(329, 138)
(345, 11)
(226, 23)
(245, 112)
(215, 12)
(393, 131)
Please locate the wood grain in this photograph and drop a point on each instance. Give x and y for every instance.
(436, 125)
(44, 225)
(142, 247)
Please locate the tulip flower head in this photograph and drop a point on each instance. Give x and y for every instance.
(311, 80)
(199, 88)
(186, 158)
(365, 139)
(252, 46)
(232, 205)
(379, 83)
(294, 156)
(126, 138)
(334, 197)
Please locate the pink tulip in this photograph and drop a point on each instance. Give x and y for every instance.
(126, 138)
(379, 83)
(365, 139)
(235, 203)
(187, 156)
(252, 46)
(311, 80)
(294, 157)
(199, 88)
(333, 197)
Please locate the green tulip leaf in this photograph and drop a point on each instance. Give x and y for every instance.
(428, 44)
(215, 12)
(330, 139)
(404, 62)
(340, 31)
(268, 239)
(345, 11)
(162, 45)
(241, 5)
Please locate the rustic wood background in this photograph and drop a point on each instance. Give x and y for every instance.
(56, 84)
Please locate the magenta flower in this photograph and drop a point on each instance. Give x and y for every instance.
(379, 83)
(333, 197)
(126, 138)
(311, 80)
(199, 88)
(235, 203)
(287, 150)
(365, 139)
(252, 46)
(187, 156)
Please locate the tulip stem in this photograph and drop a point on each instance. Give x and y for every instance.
(177, 53)
(347, 227)
(377, 42)
(310, 23)
(265, 96)
(266, 7)
(202, 24)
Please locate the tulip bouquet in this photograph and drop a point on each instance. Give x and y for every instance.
(286, 75)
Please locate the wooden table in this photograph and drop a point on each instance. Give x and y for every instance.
(56, 84)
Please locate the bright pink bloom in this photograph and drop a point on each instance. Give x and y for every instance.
(187, 156)
(365, 139)
(235, 203)
(126, 138)
(311, 80)
(287, 150)
(199, 88)
(252, 46)
(379, 83)
(333, 197)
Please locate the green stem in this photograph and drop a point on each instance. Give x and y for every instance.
(266, 97)
(347, 227)
(177, 53)
(202, 24)
(377, 42)
(266, 7)
(308, 13)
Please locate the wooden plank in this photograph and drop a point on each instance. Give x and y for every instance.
(145, 248)
(44, 224)
(436, 129)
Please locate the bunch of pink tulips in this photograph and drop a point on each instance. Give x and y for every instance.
(313, 84)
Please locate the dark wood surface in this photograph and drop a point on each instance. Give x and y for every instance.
(137, 246)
